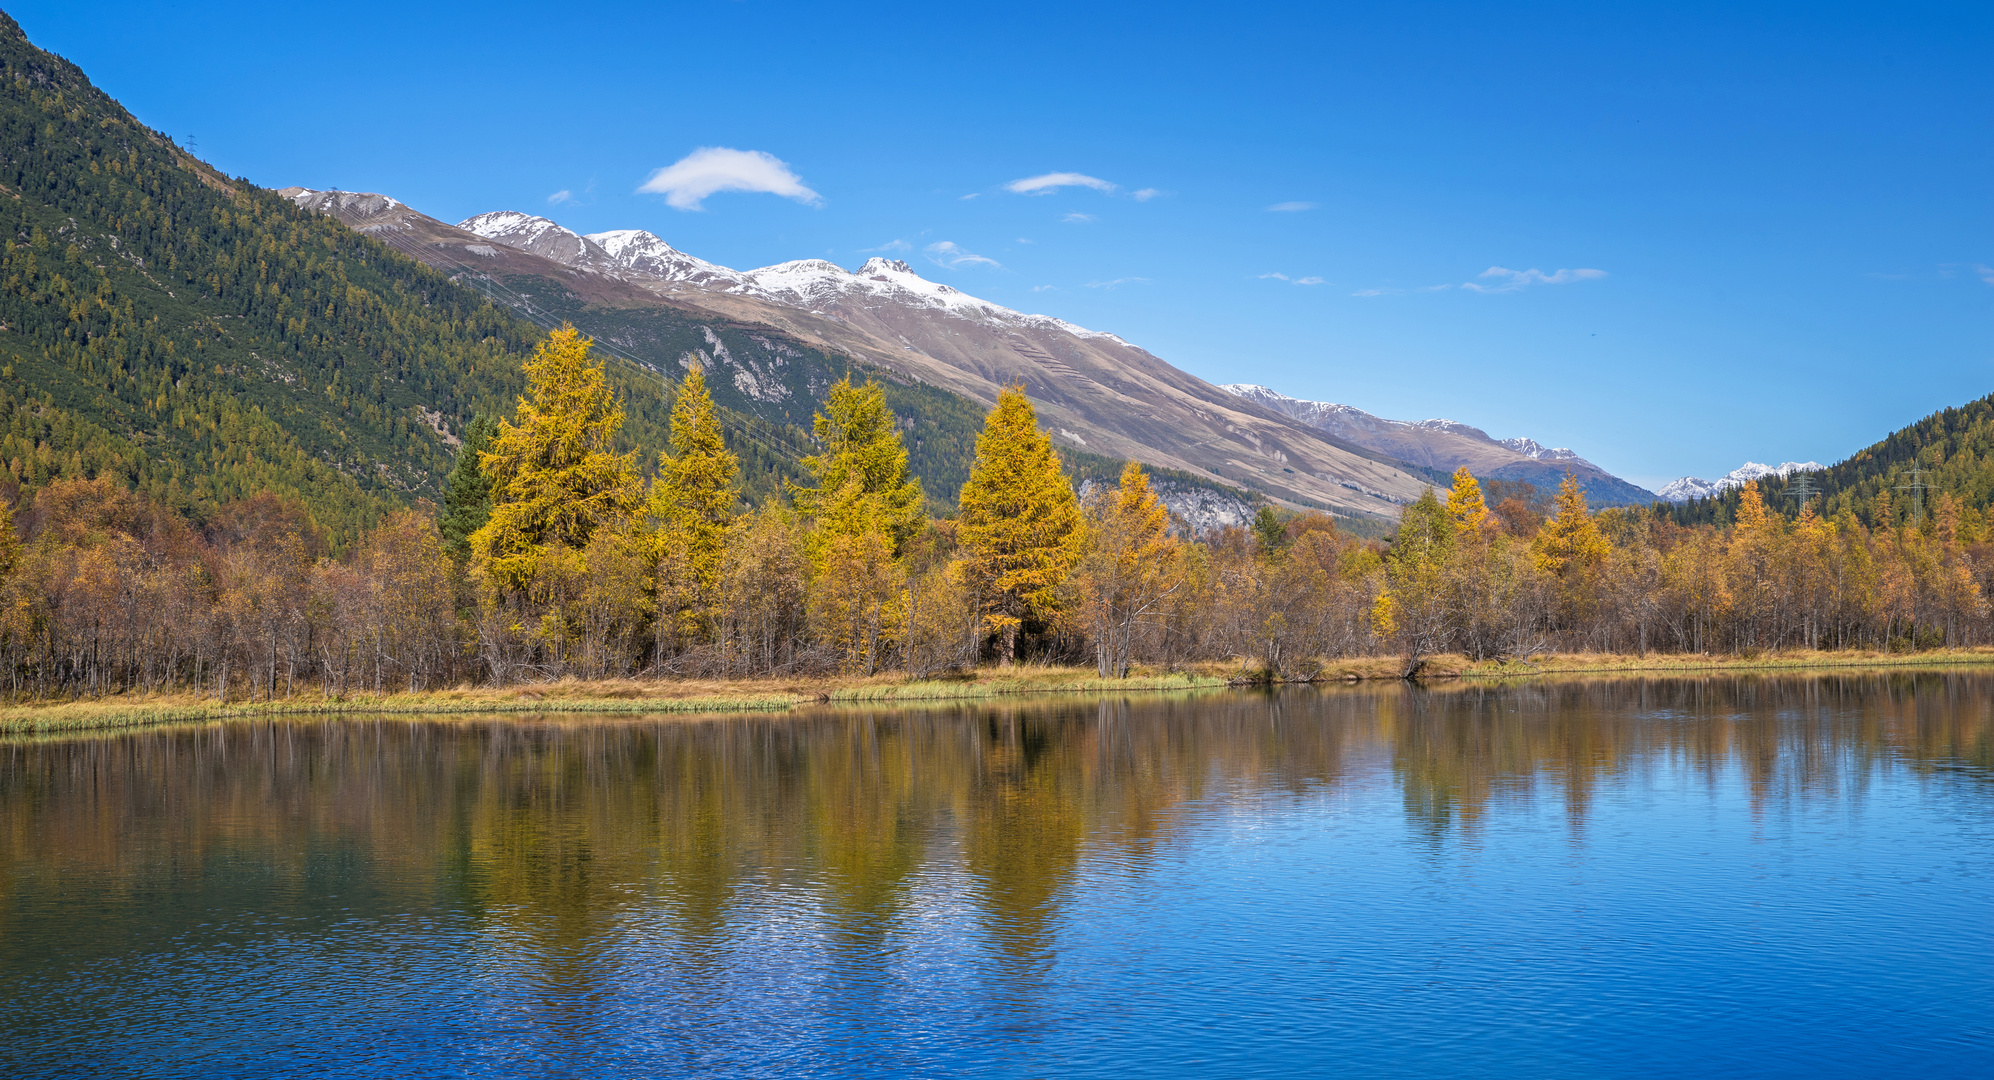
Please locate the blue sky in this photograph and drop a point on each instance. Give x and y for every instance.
(1788, 210)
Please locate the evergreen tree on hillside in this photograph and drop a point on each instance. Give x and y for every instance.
(1020, 523)
(467, 493)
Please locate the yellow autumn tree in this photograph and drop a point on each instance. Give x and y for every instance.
(555, 481)
(1411, 611)
(1020, 522)
(1130, 569)
(1466, 506)
(867, 509)
(682, 534)
(1571, 549)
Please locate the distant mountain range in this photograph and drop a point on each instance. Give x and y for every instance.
(1690, 487)
(1095, 392)
(1446, 445)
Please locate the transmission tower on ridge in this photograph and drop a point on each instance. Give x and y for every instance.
(1916, 487)
(1801, 489)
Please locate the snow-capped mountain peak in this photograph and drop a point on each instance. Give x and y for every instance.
(1690, 487)
(540, 236)
(813, 284)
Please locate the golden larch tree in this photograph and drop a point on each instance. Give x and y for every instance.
(683, 531)
(554, 478)
(1130, 569)
(1020, 522)
(1466, 506)
(867, 509)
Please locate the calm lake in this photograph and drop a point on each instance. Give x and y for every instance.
(1724, 877)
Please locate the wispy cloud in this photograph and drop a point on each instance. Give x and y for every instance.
(1276, 275)
(561, 196)
(1077, 218)
(1497, 279)
(890, 245)
(1026, 240)
(971, 195)
(1290, 207)
(1051, 182)
(950, 254)
(1377, 292)
(1308, 281)
(1986, 273)
(1045, 288)
(1115, 282)
(711, 169)
(1144, 194)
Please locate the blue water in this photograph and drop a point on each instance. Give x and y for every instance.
(1720, 878)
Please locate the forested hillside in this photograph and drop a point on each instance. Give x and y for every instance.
(1953, 449)
(203, 340)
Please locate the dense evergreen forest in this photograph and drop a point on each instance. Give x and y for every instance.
(1951, 451)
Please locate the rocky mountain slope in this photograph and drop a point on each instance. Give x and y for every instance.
(1446, 445)
(1097, 393)
(1690, 487)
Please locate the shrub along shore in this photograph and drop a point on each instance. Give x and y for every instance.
(691, 697)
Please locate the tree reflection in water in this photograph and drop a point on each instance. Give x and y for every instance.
(617, 874)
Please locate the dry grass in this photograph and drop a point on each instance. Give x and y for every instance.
(688, 696)
(628, 696)
(1695, 664)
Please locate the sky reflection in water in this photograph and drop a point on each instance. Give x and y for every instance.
(1730, 877)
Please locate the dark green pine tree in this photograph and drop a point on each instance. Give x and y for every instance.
(467, 494)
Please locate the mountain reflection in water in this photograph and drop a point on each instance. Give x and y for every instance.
(1734, 876)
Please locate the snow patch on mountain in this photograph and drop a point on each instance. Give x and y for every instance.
(812, 284)
(645, 255)
(1690, 487)
(539, 236)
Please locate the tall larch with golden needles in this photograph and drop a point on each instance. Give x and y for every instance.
(1020, 522)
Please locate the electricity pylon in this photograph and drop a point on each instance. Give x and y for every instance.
(1917, 489)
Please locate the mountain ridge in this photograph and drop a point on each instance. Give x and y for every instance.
(1095, 392)
(1446, 445)
(1690, 487)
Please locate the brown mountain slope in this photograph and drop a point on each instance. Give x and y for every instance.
(1094, 391)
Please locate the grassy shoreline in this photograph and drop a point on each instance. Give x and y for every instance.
(626, 696)
(708, 696)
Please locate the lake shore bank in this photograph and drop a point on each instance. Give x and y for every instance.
(709, 696)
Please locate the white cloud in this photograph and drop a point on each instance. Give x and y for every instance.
(1117, 281)
(1986, 273)
(1145, 194)
(950, 254)
(1502, 279)
(971, 195)
(1051, 182)
(1045, 288)
(561, 196)
(1278, 276)
(1377, 292)
(1308, 281)
(1275, 274)
(1026, 240)
(890, 245)
(710, 169)
(1078, 218)
(1290, 207)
